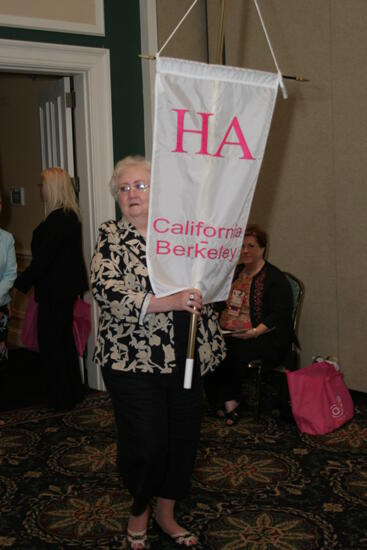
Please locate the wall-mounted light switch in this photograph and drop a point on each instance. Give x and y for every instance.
(17, 196)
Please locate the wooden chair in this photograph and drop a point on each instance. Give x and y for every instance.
(291, 361)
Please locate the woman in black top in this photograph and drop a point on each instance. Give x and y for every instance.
(58, 274)
(260, 305)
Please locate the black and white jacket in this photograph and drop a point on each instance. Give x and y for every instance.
(129, 339)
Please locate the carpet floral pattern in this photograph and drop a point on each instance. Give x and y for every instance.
(259, 485)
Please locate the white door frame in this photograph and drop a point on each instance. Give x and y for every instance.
(90, 68)
(56, 125)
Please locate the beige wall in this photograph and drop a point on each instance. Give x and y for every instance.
(67, 10)
(20, 154)
(20, 166)
(189, 42)
(311, 191)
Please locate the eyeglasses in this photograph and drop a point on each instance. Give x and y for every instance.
(250, 246)
(138, 186)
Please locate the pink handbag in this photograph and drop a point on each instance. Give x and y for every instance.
(29, 329)
(81, 325)
(320, 400)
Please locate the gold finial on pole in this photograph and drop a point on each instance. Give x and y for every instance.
(147, 56)
(297, 78)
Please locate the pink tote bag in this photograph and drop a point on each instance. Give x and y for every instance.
(28, 334)
(81, 325)
(320, 400)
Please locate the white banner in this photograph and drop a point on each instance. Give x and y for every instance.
(210, 132)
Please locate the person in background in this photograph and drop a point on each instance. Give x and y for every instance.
(57, 272)
(8, 273)
(258, 318)
(141, 347)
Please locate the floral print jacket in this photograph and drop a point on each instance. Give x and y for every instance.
(129, 339)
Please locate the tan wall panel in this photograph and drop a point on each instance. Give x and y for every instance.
(82, 11)
(349, 74)
(189, 42)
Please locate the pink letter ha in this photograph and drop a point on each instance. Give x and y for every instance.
(204, 135)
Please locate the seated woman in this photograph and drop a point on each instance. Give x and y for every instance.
(259, 315)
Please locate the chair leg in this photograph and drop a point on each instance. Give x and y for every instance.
(258, 391)
(257, 364)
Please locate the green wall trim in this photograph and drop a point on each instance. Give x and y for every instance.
(122, 29)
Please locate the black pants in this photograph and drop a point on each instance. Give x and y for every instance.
(59, 359)
(158, 425)
(224, 384)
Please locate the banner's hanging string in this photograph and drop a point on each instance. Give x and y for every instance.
(281, 83)
(152, 57)
(176, 28)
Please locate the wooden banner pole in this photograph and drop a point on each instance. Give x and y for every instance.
(189, 365)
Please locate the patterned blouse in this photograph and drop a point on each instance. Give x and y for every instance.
(236, 314)
(130, 339)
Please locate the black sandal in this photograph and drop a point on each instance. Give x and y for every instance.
(232, 416)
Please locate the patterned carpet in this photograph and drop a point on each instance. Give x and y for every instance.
(259, 485)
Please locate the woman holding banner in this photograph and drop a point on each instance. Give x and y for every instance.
(141, 347)
(258, 318)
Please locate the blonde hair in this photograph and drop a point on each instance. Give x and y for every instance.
(122, 165)
(58, 190)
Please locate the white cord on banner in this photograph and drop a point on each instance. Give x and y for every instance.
(176, 28)
(281, 83)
